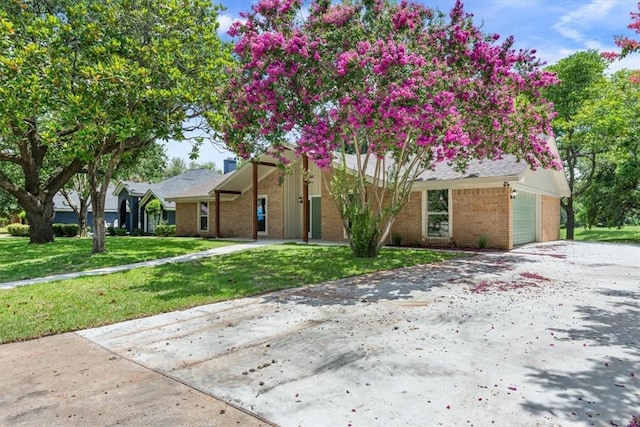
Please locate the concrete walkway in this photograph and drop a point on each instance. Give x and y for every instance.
(151, 263)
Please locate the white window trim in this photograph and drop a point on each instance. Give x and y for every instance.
(266, 215)
(426, 212)
(200, 230)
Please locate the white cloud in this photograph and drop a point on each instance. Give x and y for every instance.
(573, 24)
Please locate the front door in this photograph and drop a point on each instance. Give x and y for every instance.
(151, 223)
(315, 217)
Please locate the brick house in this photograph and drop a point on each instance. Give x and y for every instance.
(494, 203)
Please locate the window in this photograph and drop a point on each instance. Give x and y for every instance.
(437, 221)
(204, 216)
(262, 214)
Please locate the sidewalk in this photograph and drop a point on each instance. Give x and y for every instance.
(152, 263)
(66, 379)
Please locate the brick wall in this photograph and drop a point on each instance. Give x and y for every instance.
(550, 218)
(332, 228)
(408, 223)
(482, 212)
(188, 222)
(236, 217)
(186, 219)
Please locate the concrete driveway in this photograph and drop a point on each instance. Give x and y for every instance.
(546, 335)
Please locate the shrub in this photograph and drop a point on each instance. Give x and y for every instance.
(111, 230)
(165, 230)
(18, 230)
(57, 230)
(154, 208)
(137, 232)
(483, 241)
(396, 240)
(70, 230)
(120, 231)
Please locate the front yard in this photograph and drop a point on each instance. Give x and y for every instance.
(20, 260)
(50, 308)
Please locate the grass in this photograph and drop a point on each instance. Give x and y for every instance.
(49, 308)
(627, 234)
(20, 260)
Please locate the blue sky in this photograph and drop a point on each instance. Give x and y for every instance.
(555, 28)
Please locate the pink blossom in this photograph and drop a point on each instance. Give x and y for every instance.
(413, 84)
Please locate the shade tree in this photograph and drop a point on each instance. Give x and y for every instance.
(580, 74)
(89, 84)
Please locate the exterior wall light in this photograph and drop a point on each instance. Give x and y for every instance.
(513, 194)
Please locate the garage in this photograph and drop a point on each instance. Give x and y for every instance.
(524, 218)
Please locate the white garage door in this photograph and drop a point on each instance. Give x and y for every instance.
(524, 218)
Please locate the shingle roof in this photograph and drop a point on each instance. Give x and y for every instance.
(193, 183)
(61, 205)
(486, 168)
(135, 188)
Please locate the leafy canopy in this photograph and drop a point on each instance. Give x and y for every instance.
(400, 87)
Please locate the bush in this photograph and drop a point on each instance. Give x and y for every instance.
(137, 232)
(483, 241)
(57, 230)
(111, 230)
(120, 231)
(164, 230)
(70, 230)
(154, 208)
(18, 230)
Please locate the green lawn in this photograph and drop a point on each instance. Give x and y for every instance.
(20, 260)
(49, 308)
(627, 234)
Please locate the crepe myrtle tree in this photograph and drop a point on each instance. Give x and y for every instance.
(377, 93)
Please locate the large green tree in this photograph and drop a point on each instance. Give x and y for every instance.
(612, 120)
(580, 75)
(35, 81)
(87, 83)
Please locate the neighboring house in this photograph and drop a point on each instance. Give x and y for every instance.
(191, 179)
(445, 207)
(64, 214)
(132, 197)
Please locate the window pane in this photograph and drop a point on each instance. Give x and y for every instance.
(204, 216)
(262, 214)
(438, 200)
(438, 225)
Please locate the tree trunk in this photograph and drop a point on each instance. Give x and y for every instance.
(82, 217)
(571, 218)
(40, 216)
(364, 235)
(98, 197)
(99, 232)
